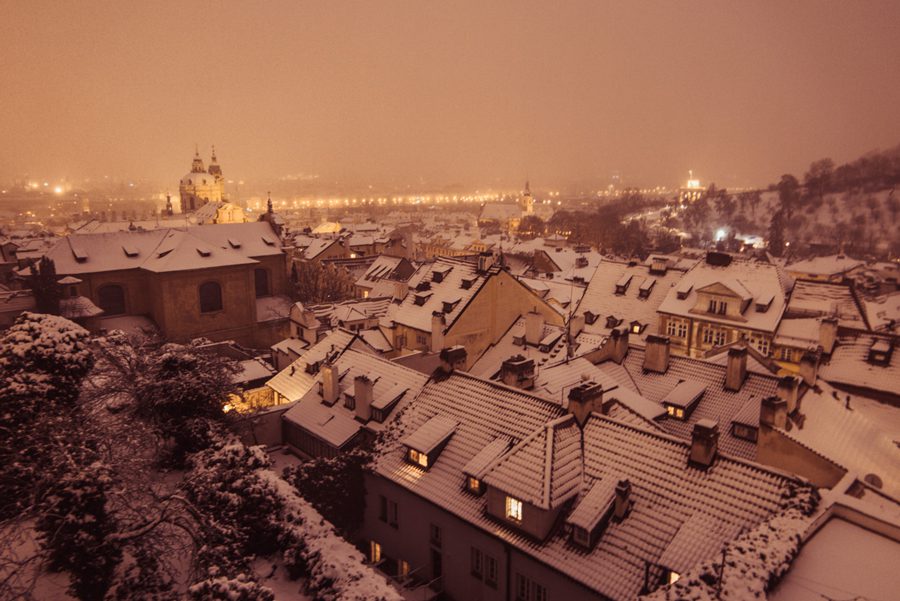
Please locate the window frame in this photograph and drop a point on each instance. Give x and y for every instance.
(220, 305)
(514, 510)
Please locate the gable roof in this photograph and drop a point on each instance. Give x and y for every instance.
(295, 380)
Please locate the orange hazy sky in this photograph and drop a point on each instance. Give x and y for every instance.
(479, 93)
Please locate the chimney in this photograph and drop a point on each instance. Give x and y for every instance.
(583, 399)
(788, 391)
(622, 503)
(576, 325)
(330, 383)
(453, 358)
(534, 328)
(619, 340)
(437, 331)
(656, 354)
(828, 334)
(363, 389)
(773, 412)
(704, 443)
(401, 289)
(485, 261)
(809, 367)
(518, 371)
(736, 368)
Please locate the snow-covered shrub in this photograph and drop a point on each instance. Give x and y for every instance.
(75, 527)
(221, 588)
(334, 486)
(143, 579)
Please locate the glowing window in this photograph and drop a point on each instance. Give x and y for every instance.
(473, 484)
(418, 458)
(513, 509)
(673, 577)
(374, 552)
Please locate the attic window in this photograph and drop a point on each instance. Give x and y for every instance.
(449, 305)
(513, 509)
(422, 298)
(764, 302)
(268, 241)
(473, 485)
(130, 251)
(612, 321)
(683, 399)
(79, 253)
(622, 284)
(636, 327)
(880, 352)
(425, 444)
(203, 251)
(683, 290)
(420, 459)
(466, 283)
(423, 285)
(439, 274)
(590, 318)
(234, 243)
(646, 288)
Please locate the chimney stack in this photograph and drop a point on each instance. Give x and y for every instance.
(583, 399)
(330, 383)
(534, 328)
(576, 325)
(518, 371)
(401, 289)
(773, 412)
(736, 368)
(453, 358)
(363, 389)
(618, 338)
(437, 331)
(656, 354)
(788, 390)
(809, 367)
(704, 443)
(623, 501)
(828, 334)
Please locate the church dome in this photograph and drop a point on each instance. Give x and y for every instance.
(195, 178)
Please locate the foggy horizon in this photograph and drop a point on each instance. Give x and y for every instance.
(445, 95)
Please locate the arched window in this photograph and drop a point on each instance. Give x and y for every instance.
(261, 280)
(210, 297)
(111, 299)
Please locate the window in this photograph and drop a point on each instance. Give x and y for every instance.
(477, 568)
(261, 281)
(210, 297)
(350, 402)
(403, 568)
(714, 336)
(636, 327)
(374, 552)
(745, 432)
(672, 577)
(473, 485)
(420, 459)
(675, 411)
(490, 570)
(676, 328)
(760, 343)
(529, 590)
(717, 307)
(111, 299)
(581, 536)
(421, 339)
(382, 508)
(434, 535)
(393, 514)
(513, 509)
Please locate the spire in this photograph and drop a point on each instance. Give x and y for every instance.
(214, 169)
(213, 159)
(197, 164)
(527, 188)
(269, 208)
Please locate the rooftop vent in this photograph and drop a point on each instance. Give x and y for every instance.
(130, 251)
(203, 251)
(234, 243)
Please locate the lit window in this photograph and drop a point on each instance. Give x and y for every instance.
(513, 509)
(403, 569)
(420, 459)
(673, 577)
(374, 552)
(636, 328)
(473, 484)
(365, 294)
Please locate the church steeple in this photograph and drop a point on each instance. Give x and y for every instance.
(269, 208)
(197, 164)
(214, 169)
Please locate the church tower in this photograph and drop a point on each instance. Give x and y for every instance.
(200, 186)
(527, 200)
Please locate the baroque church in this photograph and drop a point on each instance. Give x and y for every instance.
(202, 186)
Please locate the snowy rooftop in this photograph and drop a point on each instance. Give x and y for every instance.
(295, 381)
(815, 299)
(824, 266)
(665, 490)
(849, 365)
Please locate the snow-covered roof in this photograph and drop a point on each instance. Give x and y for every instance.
(666, 491)
(594, 504)
(749, 280)
(831, 265)
(601, 298)
(383, 267)
(295, 381)
(251, 370)
(884, 313)
(496, 211)
(78, 307)
(849, 365)
(820, 299)
(800, 332)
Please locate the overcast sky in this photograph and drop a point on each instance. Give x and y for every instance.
(471, 92)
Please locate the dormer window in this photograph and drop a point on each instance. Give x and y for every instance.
(622, 284)
(646, 288)
(717, 307)
(513, 509)
(880, 352)
(421, 298)
(349, 401)
(590, 318)
(449, 305)
(683, 290)
(612, 321)
(683, 399)
(474, 485)
(420, 459)
(581, 536)
(636, 327)
(466, 283)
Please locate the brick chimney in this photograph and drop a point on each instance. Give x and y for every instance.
(736, 368)
(704, 443)
(437, 331)
(809, 367)
(534, 328)
(453, 358)
(518, 371)
(773, 412)
(828, 334)
(788, 390)
(656, 354)
(622, 503)
(583, 399)
(363, 389)
(618, 338)
(330, 383)
(576, 325)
